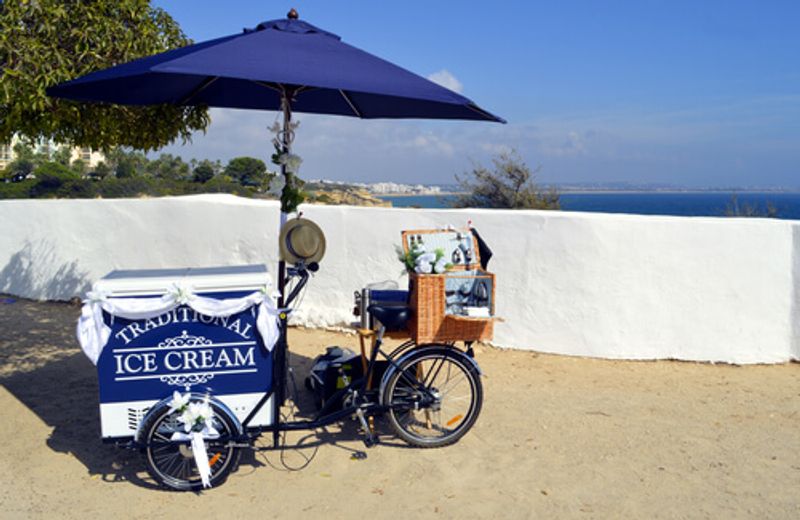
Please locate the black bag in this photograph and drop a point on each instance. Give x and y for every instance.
(331, 372)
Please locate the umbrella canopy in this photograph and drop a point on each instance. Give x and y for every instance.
(261, 68)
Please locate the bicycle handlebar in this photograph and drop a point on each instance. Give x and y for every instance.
(302, 271)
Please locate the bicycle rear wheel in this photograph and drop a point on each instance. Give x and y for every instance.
(434, 397)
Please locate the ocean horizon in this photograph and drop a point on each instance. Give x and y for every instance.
(685, 204)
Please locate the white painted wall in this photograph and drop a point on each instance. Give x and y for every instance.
(611, 286)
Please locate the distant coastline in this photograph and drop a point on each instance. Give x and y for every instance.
(686, 203)
(436, 194)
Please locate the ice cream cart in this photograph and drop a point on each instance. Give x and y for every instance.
(187, 375)
(202, 332)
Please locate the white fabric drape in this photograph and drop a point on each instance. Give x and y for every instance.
(93, 333)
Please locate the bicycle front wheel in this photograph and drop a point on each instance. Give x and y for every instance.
(434, 397)
(172, 463)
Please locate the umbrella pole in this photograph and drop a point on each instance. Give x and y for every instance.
(281, 353)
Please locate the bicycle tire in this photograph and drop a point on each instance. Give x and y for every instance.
(171, 464)
(421, 409)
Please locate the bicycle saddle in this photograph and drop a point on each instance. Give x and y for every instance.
(392, 317)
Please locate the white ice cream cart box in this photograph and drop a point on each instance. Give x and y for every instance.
(204, 330)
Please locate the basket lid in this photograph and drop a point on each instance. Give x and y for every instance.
(459, 245)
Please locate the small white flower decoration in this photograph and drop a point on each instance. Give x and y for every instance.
(276, 185)
(179, 402)
(182, 294)
(194, 415)
(291, 161)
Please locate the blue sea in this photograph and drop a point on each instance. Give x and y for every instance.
(712, 204)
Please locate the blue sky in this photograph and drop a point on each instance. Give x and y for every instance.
(696, 93)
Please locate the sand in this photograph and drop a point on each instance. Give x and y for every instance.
(558, 437)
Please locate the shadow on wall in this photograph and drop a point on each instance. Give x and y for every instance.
(35, 271)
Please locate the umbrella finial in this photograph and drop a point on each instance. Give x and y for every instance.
(293, 14)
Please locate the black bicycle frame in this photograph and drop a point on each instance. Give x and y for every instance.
(280, 368)
(326, 417)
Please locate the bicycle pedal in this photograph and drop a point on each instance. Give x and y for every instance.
(358, 455)
(370, 441)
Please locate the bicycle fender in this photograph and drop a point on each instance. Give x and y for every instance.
(417, 352)
(193, 396)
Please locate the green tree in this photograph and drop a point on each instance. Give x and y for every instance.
(45, 42)
(79, 166)
(101, 171)
(204, 171)
(50, 177)
(62, 155)
(24, 150)
(168, 166)
(248, 171)
(510, 184)
(19, 169)
(125, 163)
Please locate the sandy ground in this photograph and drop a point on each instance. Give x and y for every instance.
(558, 437)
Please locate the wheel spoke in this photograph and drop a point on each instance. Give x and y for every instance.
(173, 463)
(445, 392)
(161, 437)
(425, 382)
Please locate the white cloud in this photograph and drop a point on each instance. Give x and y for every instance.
(446, 79)
(672, 146)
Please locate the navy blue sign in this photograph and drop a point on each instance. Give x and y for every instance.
(183, 350)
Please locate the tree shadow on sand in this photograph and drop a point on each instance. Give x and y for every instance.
(45, 372)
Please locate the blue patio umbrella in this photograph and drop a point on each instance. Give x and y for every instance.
(287, 65)
(278, 64)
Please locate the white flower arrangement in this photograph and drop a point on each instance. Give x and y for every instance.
(194, 415)
(276, 185)
(291, 161)
(417, 260)
(289, 187)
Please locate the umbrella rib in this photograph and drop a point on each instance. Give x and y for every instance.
(279, 87)
(265, 84)
(304, 88)
(205, 84)
(350, 102)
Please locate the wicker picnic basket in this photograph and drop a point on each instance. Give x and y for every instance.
(432, 319)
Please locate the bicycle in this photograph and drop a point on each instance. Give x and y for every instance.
(431, 395)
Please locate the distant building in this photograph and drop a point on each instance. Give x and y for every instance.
(91, 157)
(5, 155)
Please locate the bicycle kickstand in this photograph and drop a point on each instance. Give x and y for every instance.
(370, 439)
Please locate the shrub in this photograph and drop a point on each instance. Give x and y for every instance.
(50, 177)
(734, 209)
(16, 190)
(113, 187)
(510, 184)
